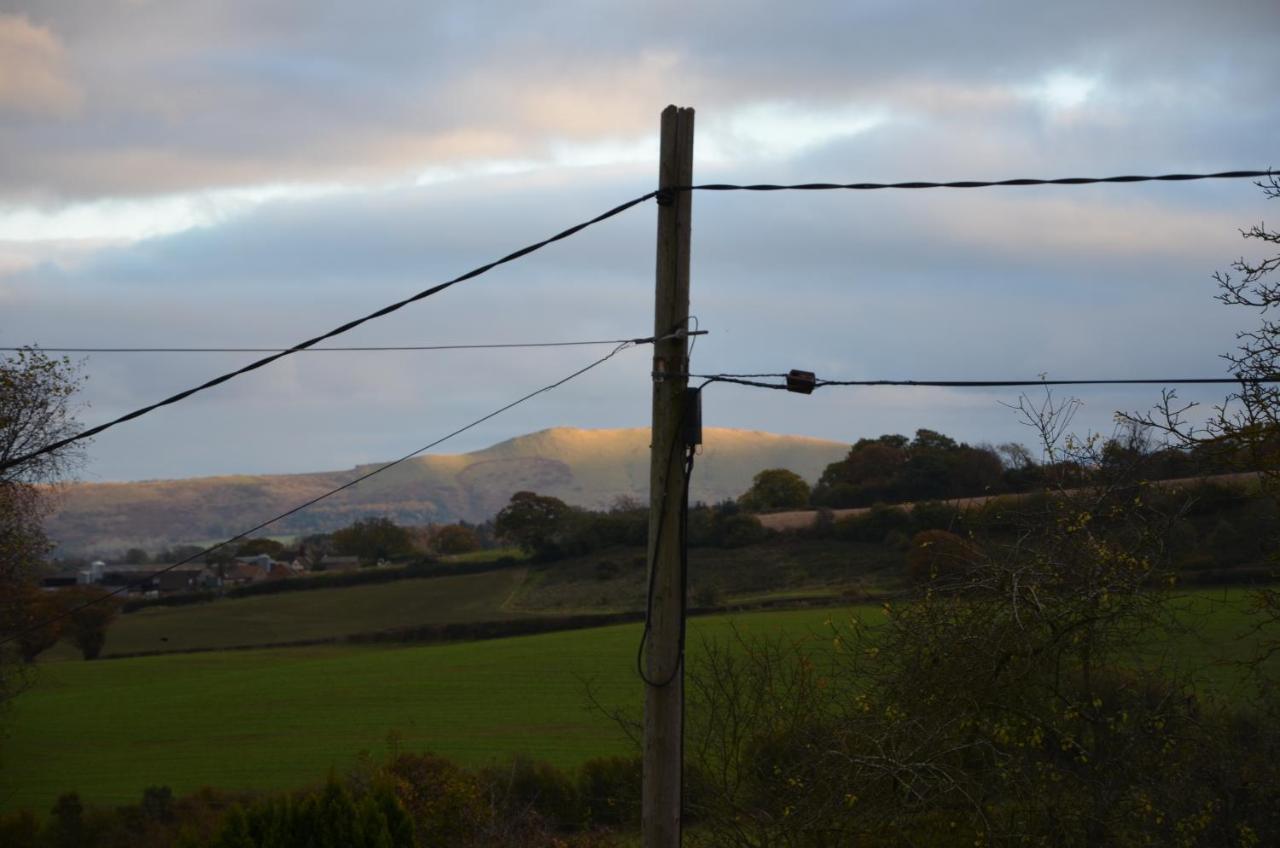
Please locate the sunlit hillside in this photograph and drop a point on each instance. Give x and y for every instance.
(587, 468)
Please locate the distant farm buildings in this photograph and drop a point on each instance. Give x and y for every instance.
(157, 580)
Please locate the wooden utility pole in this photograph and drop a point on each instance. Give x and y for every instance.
(663, 663)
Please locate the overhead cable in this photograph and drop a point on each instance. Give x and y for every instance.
(754, 381)
(663, 195)
(1062, 181)
(350, 325)
(330, 493)
(486, 346)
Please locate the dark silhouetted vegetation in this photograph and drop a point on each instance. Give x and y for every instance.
(775, 488)
(411, 801)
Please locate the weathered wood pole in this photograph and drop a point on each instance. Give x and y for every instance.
(663, 664)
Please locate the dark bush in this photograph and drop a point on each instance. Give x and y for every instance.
(609, 790)
(935, 515)
(330, 817)
(939, 556)
(874, 524)
(706, 596)
(445, 802)
(523, 784)
(742, 529)
(20, 829)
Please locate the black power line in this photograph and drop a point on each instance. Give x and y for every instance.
(1063, 181)
(350, 325)
(488, 346)
(664, 196)
(754, 381)
(152, 575)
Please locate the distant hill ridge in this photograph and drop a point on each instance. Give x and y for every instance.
(589, 468)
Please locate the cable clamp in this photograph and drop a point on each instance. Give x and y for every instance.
(801, 382)
(665, 197)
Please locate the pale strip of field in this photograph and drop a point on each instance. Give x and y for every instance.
(802, 518)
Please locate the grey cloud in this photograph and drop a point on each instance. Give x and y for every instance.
(851, 285)
(185, 95)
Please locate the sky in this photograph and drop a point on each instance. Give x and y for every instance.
(250, 174)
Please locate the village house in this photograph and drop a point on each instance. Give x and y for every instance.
(256, 569)
(339, 563)
(148, 579)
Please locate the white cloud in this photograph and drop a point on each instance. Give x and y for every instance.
(779, 130)
(1063, 91)
(133, 219)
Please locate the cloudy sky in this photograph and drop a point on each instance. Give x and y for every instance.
(186, 173)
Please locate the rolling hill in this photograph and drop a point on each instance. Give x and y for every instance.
(588, 468)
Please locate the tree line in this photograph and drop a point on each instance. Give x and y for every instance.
(933, 466)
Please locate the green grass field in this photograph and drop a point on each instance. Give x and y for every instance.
(751, 574)
(281, 718)
(614, 578)
(316, 614)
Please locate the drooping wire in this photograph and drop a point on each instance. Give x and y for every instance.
(1008, 383)
(1063, 181)
(753, 380)
(486, 346)
(330, 493)
(687, 470)
(350, 325)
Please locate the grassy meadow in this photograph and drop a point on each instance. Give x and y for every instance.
(608, 581)
(280, 718)
(316, 614)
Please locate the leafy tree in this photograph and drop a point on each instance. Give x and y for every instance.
(533, 521)
(776, 488)
(455, 539)
(314, 549)
(41, 627)
(373, 539)
(893, 468)
(91, 612)
(219, 558)
(136, 556)
(36, 409)
(866, 473)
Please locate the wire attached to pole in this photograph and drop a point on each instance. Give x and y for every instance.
(484, 346)
(337, 331)
(349, 484)
(1062, 181)
(693, 396)
(806, 386)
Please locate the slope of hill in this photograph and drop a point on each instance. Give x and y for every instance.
(587, 468)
